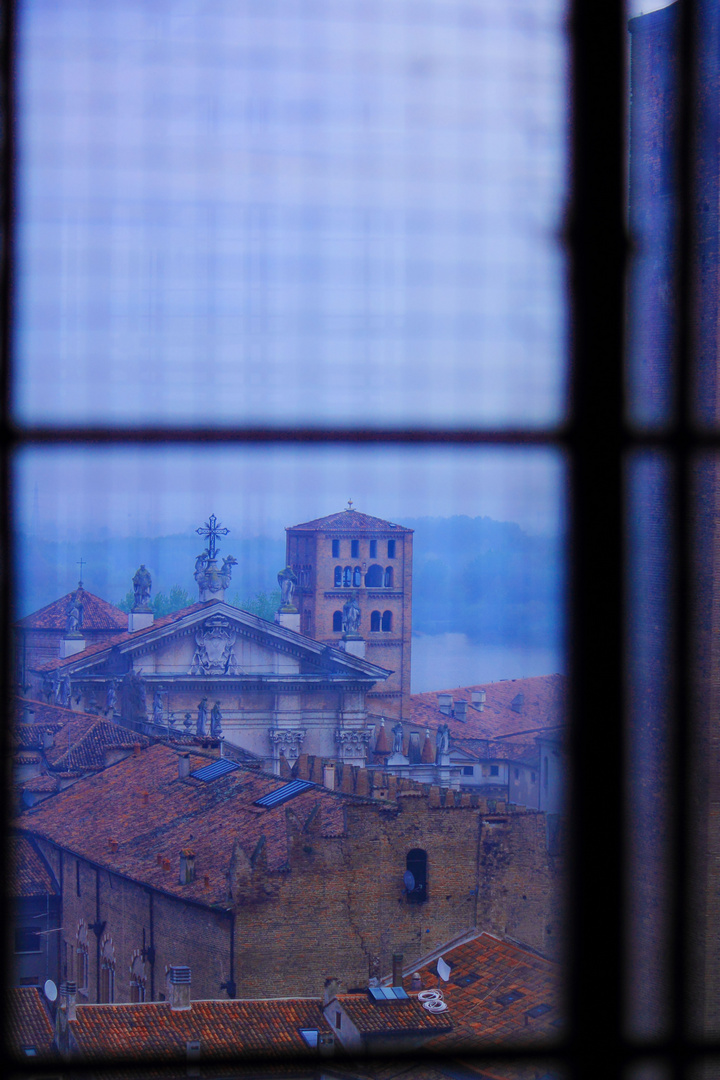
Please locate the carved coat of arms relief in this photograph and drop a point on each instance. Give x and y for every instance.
(214, 652)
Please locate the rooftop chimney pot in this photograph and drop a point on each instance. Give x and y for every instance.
(461, 710)
(178, 988)
(478, 699)
(330, 990)
(445, 703)
(183, 766)
(187, 867)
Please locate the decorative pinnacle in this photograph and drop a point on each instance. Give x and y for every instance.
(211, 529)
(349, 505)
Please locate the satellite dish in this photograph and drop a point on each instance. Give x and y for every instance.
(409, 880)
(50, 990)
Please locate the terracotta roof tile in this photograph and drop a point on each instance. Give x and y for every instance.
(119, 639)
(153, 1032)
(31, 875)
(98, 614)
(543, 707)
(351, 521)
(29, 1025)
(493, 987)
(142, 805)
(391, 1017)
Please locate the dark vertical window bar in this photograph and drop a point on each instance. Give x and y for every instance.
(597, 251)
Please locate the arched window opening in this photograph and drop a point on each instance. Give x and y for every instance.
(389, 577)
(374, 621)
(347, 577)
(374, 577)
(387, 620)
(357, 577)
(138, 977)
(107, 971)
(391, 549)
(337, 621)
(338, 577)
(416, 876)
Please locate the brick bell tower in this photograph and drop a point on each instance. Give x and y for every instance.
(352, 555)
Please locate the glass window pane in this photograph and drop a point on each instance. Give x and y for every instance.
(232, 213)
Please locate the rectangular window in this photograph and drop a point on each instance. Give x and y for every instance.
(336, 549)
(354, 549)
(391, 549)
(468, 770)
(373, 549)
(494, 770)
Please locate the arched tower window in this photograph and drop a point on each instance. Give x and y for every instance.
(338, 577)
(107, 971)
(374, 621)
(337, 621)
(387, 620)
(357, 577)
(389, 577)
(374, 577)
(416, 864)
(138, 977)
(347, 577)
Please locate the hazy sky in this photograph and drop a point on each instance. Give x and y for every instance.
(69, 493)
(291, 211)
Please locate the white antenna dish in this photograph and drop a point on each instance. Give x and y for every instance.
(50, 990)
(409, 880)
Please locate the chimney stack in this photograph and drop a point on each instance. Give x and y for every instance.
(329, 776)
(330, 990)
(478, 699)
(416, 982)
(397, 975)
(178, 988)
(183, 766)
(187, 866)
(461, 710)
(445, 703)
(68, 999)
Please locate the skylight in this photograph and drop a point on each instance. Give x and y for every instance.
(282, 794)
(215, 769)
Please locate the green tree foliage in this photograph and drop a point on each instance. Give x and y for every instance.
(264, 604)
(161, 604)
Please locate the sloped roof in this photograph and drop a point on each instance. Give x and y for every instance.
(484, 971)
(80, 739)
(350, 521)
(31, 875)
(29, 1025)
(544, 703)
(98, 614)
(391, 1017)
(140, 804)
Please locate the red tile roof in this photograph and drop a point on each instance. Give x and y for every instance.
(153, 1032)
(350, 521)
(543, 706)
(119, 639)
(142, 805)
(29, 1025)
(484, 971)
(80, 740)
(97, 613)
(31, 875)
(392, 1017)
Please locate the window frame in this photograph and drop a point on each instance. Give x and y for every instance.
(596, 440)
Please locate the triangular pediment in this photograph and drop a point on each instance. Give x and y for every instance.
(216, 639)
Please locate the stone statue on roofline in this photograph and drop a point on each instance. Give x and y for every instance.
(65, 691)
(351, 617)
(157, 707)
(398, 739)
(73, 620)
(142, 585)
(287, 580)
(216, 721)
(202, 717)
(111, 697)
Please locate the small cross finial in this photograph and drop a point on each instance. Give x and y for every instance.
(211, 529)
(350, 504)
(81, 563)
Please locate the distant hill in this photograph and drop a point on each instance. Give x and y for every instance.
(488, 579)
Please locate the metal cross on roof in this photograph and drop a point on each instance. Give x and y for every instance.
(212, 530)
(81, 563)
